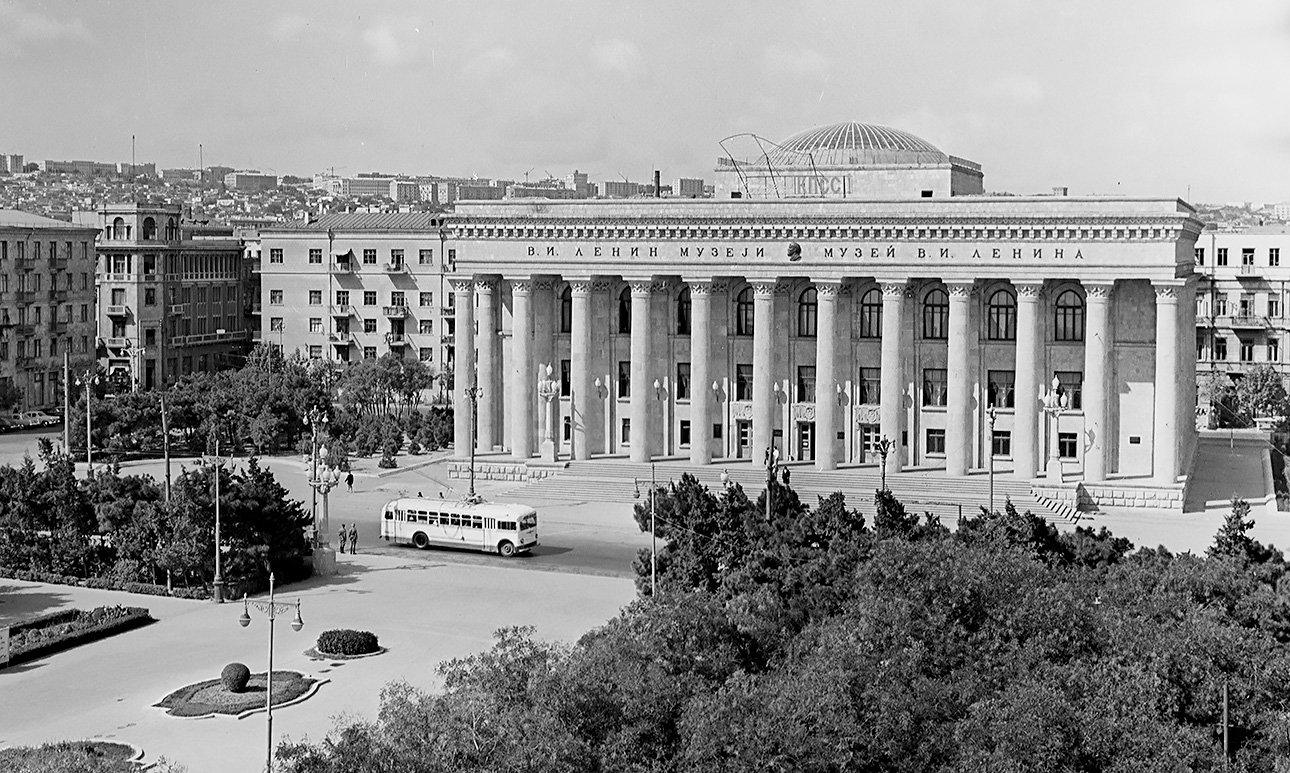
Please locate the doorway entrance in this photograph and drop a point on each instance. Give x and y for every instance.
(868, 437)
(743, 431)
(806, 441)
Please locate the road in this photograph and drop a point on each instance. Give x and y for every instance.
(581, 537)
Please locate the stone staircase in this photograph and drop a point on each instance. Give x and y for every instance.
(614, 480)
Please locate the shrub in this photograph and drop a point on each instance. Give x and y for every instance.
(235, 676)
(414, 447)
(345, 641)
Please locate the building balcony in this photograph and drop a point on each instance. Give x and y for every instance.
(24, 264)
(1243, 321)
(254, 308)
(59, 324)
(56, 294)
(396, 268)
(116, 343)
(395, 312)
(448, 339)
(342, 267)
(448, 311)
(178, 309)
(341, 339)
(118, 311)
(25, 296)
(24, 361)
(24, 329)
(58, 264)
(1249, 272)
(396, 339)
(344, 311)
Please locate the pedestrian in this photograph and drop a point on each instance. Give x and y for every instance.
(353, 538)
(349, 481)
(342, 536)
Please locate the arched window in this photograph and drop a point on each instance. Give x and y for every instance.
(149, 229)
(936, 314)
(683, 312)
(744, 312)
(1001, 322)
(566, 310)
(1068, 317)
(625, 310)
(172, 233)
(118, 228)
(808, 307)
(871, 314)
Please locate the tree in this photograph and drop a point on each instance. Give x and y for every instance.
(10, 396)
(1261, 393)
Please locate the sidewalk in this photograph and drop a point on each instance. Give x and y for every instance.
(424, 612)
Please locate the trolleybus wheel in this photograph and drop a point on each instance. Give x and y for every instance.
(420, 540)
(506, 549)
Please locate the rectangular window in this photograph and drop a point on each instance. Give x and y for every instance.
(683, 381)
(683, 437)
(1067, 444)
(1200, 346)
(716, 431)
(934, 387)
(425, 257)
(1220, 348)
(275, 324)
(369, 297)
(1247, 350)
(315, 351)
(624, 378)
(1247, 256)
(626, 437)
(1001, 443)
(1200, 256)
(1274, 256)
(426, 354)
(425, 299)
(1071, 382)
(1220, 257)
(1274, 306)
(1001, 388)
(315, 256)
(425, 327)
(806, 383)
(150, 296)
(1220, 306)
(369, 352)
(315, 297)
(369, 325)
(936, 441)
(743, 382)
(275, 297)
(870, 386)
(315, 325)
(1274, 350)
(396, 258)
(566, 378)
(342, 297)
(275, 255)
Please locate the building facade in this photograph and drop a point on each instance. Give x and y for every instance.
(169, 295)
(1241, 317)
(46, 315)
(357, 286)
(717, 329)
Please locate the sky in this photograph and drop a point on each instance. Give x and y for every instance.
(1170, 98)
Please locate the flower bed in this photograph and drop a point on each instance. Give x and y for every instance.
(62, 630)
(211, 697)
(72, 755)
(104, 584)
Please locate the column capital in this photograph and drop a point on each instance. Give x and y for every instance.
(1098, 290)
(1167, 290)
(699, 286)
(827, 288)
(763, 289)
(521, 285)
(1028, 289)
(543, 283)
(580, 285)
(893, 288)
(462, 284)
(641, 286)
(960, 289)
(485, 284)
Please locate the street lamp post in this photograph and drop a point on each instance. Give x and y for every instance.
(473, 393)
(772, 465)
(660, 394)
(87, 378)
(720, 396)
(884, 445)
(653, 533)
(218, 584)
(271, 608)
(321, 481)
(548, 390)
(1055, 401)
(602, 389)
(991, 414)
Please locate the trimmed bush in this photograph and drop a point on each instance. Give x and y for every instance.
(58, 631)
(345, 641)
(235, 676)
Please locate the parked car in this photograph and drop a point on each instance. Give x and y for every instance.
(10, 422)
(38, 419)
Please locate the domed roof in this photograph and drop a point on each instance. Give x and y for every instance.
(852, 143)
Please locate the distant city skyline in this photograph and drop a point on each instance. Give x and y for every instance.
(1152, 98)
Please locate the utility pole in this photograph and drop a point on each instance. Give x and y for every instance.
(165, 440)
(67, 403)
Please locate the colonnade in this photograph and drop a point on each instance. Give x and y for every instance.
(478, 361)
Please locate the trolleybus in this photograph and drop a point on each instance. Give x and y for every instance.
(492, 527)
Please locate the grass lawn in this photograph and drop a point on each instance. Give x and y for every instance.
(211, 697)
(81, 756)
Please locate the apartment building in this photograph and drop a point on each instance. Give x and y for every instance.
(170, 296)
(1241, 298)
(46, 311)
(358, 285)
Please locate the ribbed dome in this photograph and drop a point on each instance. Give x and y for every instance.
(852, 143)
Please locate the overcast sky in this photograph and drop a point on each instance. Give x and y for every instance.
(1103, 97)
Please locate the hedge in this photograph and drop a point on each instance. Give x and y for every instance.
(345, 641)
(103, 583)
(98, 623)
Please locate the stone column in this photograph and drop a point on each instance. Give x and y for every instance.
(642, 384)
(1025, 419)
(463, 376)
(958, 409)
(763, 418)
(488, 381)
(826, 397)
(584, 396)
(700, 372)
(891, 397)
(521, 388)
(1097, 354)
(1164, 440)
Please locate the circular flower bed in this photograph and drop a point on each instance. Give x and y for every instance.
(212, 697)
(345, 642)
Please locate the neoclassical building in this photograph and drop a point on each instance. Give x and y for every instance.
(820, 325)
